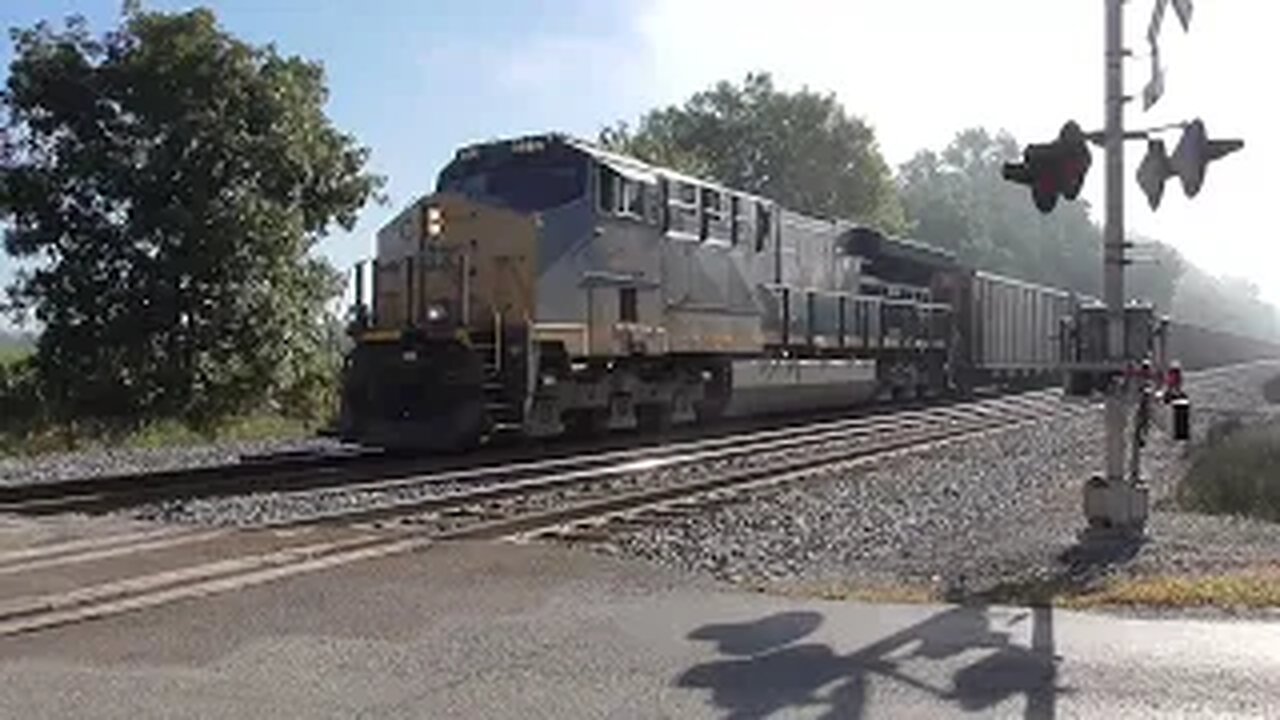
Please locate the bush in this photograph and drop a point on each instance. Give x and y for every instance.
(1238, 473)
(49, 437)
(30, 424)
(20, 401)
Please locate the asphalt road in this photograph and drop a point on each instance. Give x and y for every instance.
(533, 632)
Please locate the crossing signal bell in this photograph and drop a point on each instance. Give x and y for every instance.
(1194, 152)
(1053, 169)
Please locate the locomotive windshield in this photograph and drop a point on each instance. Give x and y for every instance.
(523, 181)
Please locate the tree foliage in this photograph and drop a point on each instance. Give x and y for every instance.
(805, 151)
(802, 149)
(1156, 274)
(957, 199)
(1224, 303)
(169, 181)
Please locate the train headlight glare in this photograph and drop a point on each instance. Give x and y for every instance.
(436, 313)
(435, 221)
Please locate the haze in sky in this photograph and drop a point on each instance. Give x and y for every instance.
(415, 79)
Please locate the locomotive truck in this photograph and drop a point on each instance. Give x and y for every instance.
(550, 286)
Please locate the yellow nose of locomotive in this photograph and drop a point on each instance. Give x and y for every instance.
(452, 264)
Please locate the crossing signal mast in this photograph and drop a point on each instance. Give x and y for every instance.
(1123, 336)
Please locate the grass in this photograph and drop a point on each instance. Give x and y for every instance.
(1258, 588)
(1236, 473)
(1253, 589)
(23, 433)
(153, 436)
(10, 354)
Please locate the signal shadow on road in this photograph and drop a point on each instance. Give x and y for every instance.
(768, 668)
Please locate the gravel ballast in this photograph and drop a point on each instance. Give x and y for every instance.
(980, 516)
(53, 467)
(972, 517)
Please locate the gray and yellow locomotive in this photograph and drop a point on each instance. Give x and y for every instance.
(550, 285)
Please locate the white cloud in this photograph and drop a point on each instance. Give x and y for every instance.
(919, 70)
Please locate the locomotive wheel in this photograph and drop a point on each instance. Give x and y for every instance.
(587, 424)
(654, 417)
(709, 410)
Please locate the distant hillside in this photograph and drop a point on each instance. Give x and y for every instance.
(1224, 303)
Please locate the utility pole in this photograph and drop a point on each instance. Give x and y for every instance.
(1113, 500)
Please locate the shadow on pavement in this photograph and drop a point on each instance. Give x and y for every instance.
(770, 669)
(1079, 568)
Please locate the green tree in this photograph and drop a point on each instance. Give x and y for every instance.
(802, 149)
(1227, 303)
(170, 181)
(957, 199)
(1155, 273)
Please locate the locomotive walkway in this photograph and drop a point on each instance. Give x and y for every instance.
(507, 631)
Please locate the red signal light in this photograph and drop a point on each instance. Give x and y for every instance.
(1173, 381)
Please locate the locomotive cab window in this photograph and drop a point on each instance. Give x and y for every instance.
(633, 199)
(609, 190)
(682, 208)
(627, 310)
(735, 219)
(713, 216)
(744, 221)
(764, 225)
(664, 204)
(524, 182)
(622, 196)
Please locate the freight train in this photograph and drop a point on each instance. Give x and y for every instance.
(552, 286)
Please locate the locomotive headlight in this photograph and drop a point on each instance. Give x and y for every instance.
(436, 313)
(435, 221)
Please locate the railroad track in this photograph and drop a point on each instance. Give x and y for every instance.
(354, 467)
(107, 492)
(553, 497)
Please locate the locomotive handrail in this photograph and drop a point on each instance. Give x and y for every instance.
(497, 341)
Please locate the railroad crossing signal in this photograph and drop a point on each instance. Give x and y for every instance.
(1194, 152)
(1153, 171)
(1053, 169)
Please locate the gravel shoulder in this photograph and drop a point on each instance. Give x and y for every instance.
(994, 517)
(52, 467)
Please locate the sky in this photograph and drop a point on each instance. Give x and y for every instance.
(416, 79)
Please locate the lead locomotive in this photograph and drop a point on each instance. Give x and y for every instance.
(550, 285)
